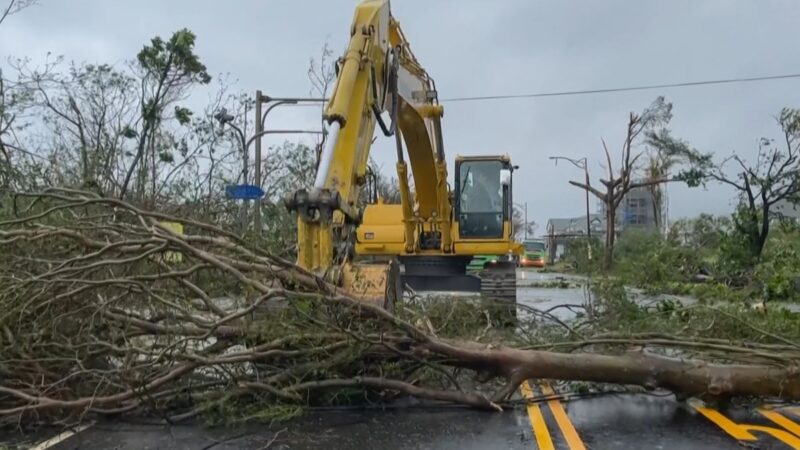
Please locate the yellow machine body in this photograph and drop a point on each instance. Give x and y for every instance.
(379, 76)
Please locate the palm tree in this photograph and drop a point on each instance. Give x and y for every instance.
(658, 167)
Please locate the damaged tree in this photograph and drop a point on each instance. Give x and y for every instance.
(618, 184)
(761, 185)
(105, 309)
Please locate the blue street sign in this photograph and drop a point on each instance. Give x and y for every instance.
(244, 192)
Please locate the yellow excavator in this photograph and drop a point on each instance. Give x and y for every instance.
(375, 250)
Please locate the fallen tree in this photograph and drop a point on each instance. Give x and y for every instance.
(106, 309)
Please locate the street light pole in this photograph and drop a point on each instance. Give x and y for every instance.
(226, 119)
(581, 164)
(524, 207)
(257, 175)
(526, 220)
(588, 221)
(260, 120)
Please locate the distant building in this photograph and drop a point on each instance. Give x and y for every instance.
(635, 211)
(561, 231)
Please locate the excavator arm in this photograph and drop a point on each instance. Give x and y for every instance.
(378, 76)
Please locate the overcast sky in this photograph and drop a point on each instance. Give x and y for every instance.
(488, 47)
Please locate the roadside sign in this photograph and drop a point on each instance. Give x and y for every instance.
(244, 192)
(177, 228)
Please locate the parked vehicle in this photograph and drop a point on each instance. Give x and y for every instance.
(534, 253)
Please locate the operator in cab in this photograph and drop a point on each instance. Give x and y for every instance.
(482, 200)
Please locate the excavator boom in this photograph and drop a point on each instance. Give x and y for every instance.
(380, 82)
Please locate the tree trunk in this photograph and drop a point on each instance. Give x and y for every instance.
(764, 232)
(685, 377)
(657, 196)
(752, 229)
(611, 213)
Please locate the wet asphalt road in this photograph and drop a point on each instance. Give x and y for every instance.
(610, 422)
(619, 422)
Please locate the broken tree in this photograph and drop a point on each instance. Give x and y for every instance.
(621, 182)
(105, 310)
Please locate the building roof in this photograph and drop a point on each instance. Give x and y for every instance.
(575, 224)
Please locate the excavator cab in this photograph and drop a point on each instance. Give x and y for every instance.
(483, 197)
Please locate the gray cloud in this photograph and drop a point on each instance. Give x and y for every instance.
(474, 47)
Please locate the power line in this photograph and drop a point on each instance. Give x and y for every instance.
(622, 89)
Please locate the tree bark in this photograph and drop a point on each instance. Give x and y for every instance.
(684, 377)
(611, 229)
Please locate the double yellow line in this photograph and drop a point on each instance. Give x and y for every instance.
(540, 431)
(787, 431)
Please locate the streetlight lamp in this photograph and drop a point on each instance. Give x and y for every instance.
(581, 164)
(227, 119)
(262, 99)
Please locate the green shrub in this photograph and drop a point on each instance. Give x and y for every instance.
(779, 269)
(577, 255)
(650, 261)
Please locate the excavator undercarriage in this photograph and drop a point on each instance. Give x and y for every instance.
(496, 283)
(384, 282)
(497, 280)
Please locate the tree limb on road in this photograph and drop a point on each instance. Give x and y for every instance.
(97, 318)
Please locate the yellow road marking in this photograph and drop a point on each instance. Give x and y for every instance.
(781, 420)
(742, 432)
(543, 440)
(567, 429)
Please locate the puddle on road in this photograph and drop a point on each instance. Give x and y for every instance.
(531, 293)
(545, 298)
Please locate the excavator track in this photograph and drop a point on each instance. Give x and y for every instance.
(499, 289)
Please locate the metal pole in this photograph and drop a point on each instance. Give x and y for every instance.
(261, 118)
(259, 128)
(245, 161)
(588, 221)
(526, 220)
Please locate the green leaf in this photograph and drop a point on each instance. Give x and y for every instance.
(166, 157)
(183, 115)
(129, 132)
